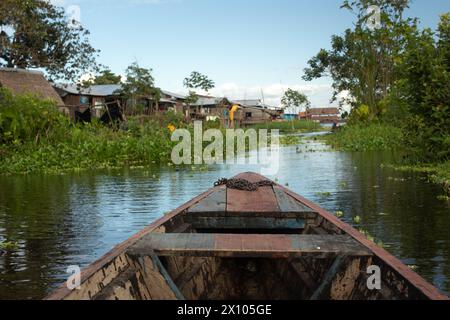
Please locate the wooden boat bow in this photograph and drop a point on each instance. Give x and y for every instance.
(304, 252)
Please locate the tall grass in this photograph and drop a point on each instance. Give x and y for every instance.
(366, 137)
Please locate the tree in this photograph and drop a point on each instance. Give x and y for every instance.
(362, 60)
(197, 80)
(37, 34)
(423, 89)
(194, 82)
(293, 98)
(192, 98)
(107, 77)
(139, 86)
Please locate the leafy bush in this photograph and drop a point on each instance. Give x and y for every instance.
(373, 136)
(26, 118)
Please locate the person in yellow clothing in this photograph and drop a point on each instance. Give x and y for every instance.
(233, 110)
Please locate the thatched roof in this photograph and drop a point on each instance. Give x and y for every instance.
(21, 81)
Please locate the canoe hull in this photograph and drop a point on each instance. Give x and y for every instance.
(227, 244)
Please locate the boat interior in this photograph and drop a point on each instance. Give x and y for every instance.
(234, 245)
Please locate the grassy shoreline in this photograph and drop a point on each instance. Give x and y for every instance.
(380, 137)
(35, 137)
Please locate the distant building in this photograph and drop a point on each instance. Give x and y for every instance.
(78, 99)
(95, 97)
(209, 108)
(290, 116)
(172, 101)
(322, 115)
(254, 111)
(20, 81)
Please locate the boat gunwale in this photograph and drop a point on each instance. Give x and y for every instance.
(414, 279)
(62, 291)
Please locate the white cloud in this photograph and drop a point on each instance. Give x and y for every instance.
(59, 3)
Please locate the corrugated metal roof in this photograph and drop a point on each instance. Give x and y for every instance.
(96, 90)
(105, 90)
(173, 95)
(209, 101)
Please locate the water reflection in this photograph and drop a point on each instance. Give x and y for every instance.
(74, 219)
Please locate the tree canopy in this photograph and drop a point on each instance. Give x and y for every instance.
(197, 80)
(38, 34)
(139, 85)
(293, 98)
(362, 60)
(107, 77)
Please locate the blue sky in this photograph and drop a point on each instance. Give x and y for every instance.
(245, 46)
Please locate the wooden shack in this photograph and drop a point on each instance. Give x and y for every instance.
(80, 99)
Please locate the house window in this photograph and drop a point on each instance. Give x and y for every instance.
(248, 114)
(84, 100)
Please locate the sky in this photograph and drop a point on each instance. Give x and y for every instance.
(250, 48)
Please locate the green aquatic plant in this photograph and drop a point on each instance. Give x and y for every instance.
(339, 214)
(443, 197)
(289, 140)
(325, 194)
(357, 219)
(9, 245)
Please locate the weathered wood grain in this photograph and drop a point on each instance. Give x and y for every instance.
(247, 245)
(288, 204)
(215, 202)
(262, 200)
(246, 223)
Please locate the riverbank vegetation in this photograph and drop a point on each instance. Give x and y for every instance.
(366, 137)
(34, 136)
(397, 77)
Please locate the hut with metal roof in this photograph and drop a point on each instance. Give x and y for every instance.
(94, 97)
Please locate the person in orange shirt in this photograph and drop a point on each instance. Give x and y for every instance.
(233, 110)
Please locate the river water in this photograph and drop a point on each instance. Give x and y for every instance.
(73, 219)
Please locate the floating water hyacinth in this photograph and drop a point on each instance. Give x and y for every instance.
(339, 214)
(9, 245)
(323, 194)
(357, 219)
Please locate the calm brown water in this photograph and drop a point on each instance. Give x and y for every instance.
(73, 219)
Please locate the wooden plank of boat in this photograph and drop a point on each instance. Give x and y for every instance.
(260, 201)
(214, 202)
(400, 281)
(248, 245)
(245, 223)
(287, 204)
